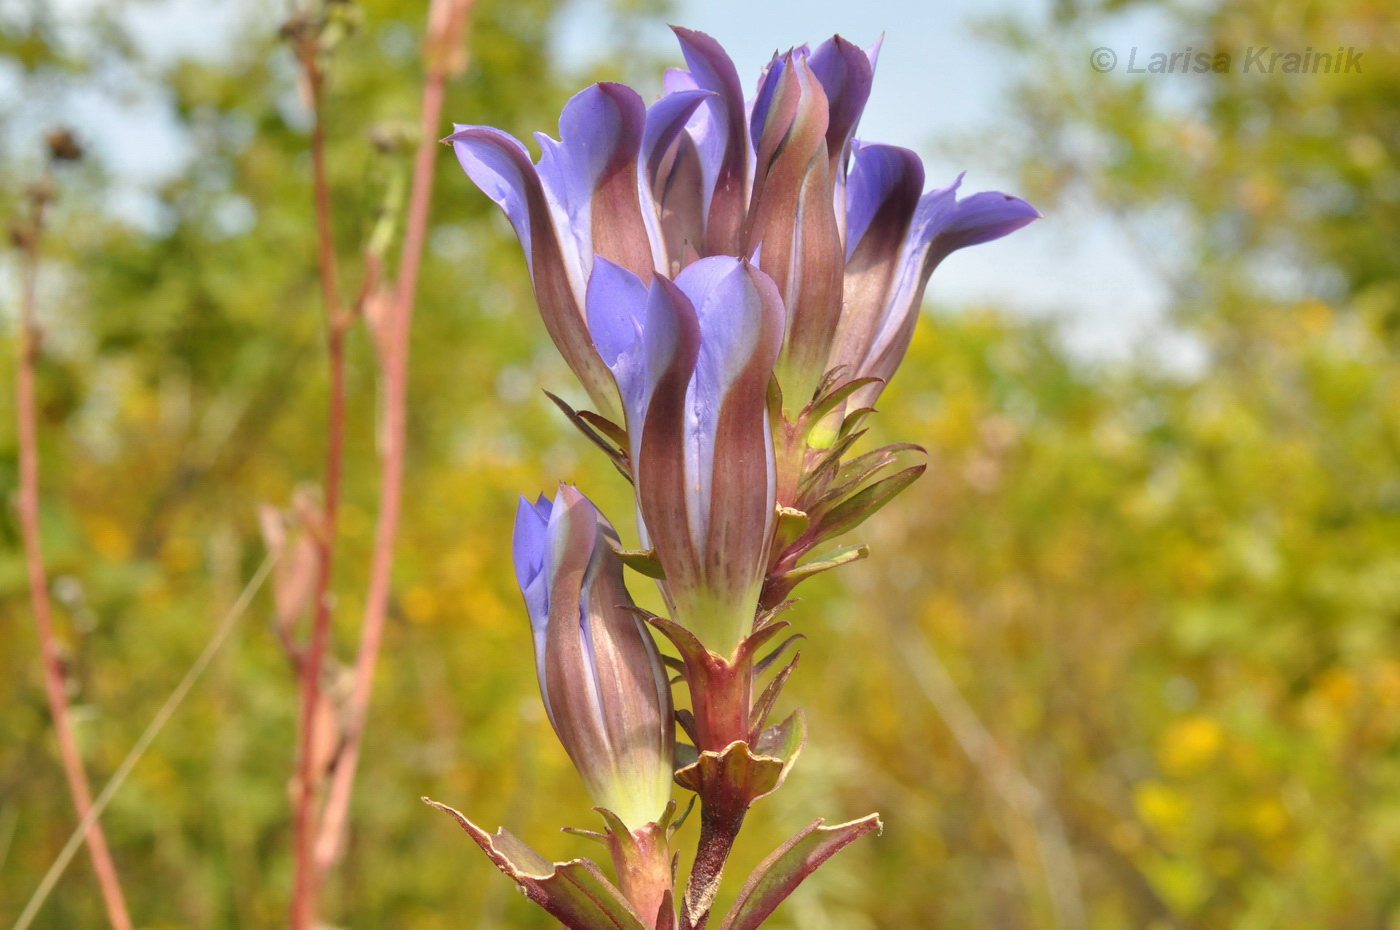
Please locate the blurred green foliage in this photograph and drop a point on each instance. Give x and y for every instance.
(1127, 651)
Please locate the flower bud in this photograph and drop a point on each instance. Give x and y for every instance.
(605, 688)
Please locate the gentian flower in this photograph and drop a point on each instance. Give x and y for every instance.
(605, 688)
(584, 198)
(692, 360)
(843, 229)
(895, 238)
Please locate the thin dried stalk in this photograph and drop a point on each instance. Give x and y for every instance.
(28, 239)
(445, 53)
(305, 878)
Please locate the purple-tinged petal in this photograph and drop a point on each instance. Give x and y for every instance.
(761, 107)
(884, 180)
(722, 143)
(884, 189)
(666, 120)
(530, 544)
(501, 166)
(604, 685)
(941, 225)
(729, 451)
(590, 179)
(983, 217)
(872, 51)
(672, 177)
(617, 311)
(671, 336)
(846, 73)
(675, 80)
(704, 467)
(793, 218)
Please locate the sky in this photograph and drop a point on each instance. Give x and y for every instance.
(936, 81)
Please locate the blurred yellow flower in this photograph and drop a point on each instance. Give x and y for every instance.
(1190, 745)
(1163, 808)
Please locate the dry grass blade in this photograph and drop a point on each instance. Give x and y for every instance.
(158, 722)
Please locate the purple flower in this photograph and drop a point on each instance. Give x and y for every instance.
(844, 230)
(895, 238)
(692, 360)
(832, 221)
(605, 688)
(584, 198)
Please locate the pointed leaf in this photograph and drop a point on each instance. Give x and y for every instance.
(642, 561)
(829, 464)
(779, 875)
(792, 523)
(605, 426)
(575, 893)
(825, 404)
(832, 559)
(854, 511)
(784, 741)
(584, 427)
(763, 664)
(758, 715)
(853, 420)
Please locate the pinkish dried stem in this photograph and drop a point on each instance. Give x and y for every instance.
(305, 873)
(29, 339)
(445, 54)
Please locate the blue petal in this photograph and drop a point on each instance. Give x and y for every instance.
(877, 172)
(499, 164)
(616, 305)
(980, 218)
(593, 126)
(529, 543)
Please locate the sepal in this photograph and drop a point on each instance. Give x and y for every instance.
(740, 774)
(575, 893)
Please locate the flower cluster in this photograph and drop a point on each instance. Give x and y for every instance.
(732, 282)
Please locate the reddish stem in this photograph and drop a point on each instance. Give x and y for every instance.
(721, 700)
(28, 437)
(305, 877)
(446, 31)
(719, 827)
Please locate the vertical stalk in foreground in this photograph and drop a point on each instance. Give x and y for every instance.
(28, 435)
(305, 878)
(445, 54)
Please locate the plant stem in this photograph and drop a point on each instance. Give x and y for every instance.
(446, 32)
(305, 877)
(719, 828)
(28, 437)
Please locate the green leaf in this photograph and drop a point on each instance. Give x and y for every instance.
(820, 408)
(832, 559)
(642, 561)
(859, 506)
